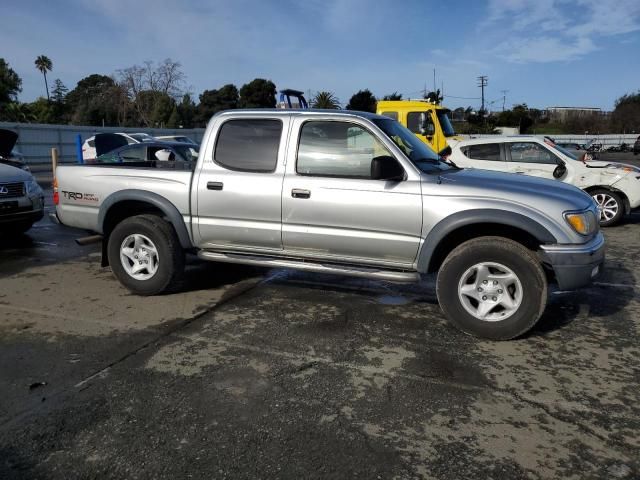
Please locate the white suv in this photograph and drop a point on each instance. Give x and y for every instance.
(614, 186)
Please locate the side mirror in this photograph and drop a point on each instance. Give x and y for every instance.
(386, 168)
(559, 171)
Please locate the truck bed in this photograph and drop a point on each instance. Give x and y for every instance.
(82, 189)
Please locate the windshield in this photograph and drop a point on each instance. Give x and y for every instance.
(445, 123)
(564, 151)
(190, 154)
(417, 151)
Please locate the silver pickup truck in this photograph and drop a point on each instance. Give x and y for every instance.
(345, 193)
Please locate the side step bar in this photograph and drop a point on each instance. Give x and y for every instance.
(271, 262)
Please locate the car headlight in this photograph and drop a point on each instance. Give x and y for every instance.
(585, 223)
(33, 187)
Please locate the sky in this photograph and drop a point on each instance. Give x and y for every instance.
(542, 52)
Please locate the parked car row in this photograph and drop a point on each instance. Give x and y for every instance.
(117, 140)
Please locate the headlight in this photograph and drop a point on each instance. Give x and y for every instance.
(585, 223)
(33, 187)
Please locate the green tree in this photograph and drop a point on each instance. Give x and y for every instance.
(395, 96)
(10, 84)
(17, 112)
(44, 65)
(214, 101)
(174, 118)
(626, 114)
(325, 100)
(42, 111)
(98, 100)
(363, 101)
(258, 93)
(187, 111)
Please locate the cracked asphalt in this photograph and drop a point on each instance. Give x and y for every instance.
(252, 373)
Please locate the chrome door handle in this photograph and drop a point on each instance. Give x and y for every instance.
(214, 185)
(300, 193)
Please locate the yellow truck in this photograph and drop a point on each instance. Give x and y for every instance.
(428, 121)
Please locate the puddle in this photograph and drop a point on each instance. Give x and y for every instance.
(392, 300)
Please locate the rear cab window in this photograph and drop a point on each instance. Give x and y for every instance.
(248, 145)
(483, 151)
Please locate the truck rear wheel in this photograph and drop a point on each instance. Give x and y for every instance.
(492, 287)
(145, 255)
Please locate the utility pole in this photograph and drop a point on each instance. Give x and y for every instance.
(434, 79)
(504, 97)
(482, 82)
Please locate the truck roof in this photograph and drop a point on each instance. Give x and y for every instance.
(406, 104)
(299, 112)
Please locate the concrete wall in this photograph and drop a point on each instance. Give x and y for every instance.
(36, 140)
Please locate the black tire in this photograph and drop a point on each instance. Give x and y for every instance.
(603, 196)
(520, 260)
(170, 265)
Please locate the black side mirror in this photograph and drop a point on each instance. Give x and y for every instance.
(386, 168)
(559, 171)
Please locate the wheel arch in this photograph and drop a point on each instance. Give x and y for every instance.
(128, 203)
(458, 228)
(625, 199)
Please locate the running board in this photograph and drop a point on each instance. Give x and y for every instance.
(272, 262)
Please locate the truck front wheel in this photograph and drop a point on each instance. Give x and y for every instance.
(492, 287)
(145, 255)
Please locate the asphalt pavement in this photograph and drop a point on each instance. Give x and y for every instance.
(255, 373)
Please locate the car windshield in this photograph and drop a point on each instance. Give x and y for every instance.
(564, 151)
(141, 137)
(445, 123)
(190, 154)
(416, 151)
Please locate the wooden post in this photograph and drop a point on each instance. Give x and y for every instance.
(54, 160)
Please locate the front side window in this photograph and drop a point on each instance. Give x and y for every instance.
(420, 123)
(485, 151)
(337, 149)
(249, 145)
(530, 152)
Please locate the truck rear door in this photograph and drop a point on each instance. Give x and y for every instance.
(239, 185)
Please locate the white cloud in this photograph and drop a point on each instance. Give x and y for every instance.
(557, 30)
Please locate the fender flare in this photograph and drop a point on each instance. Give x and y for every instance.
(165, 206)
(479, 216)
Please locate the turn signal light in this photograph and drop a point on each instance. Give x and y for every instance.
(56, 195)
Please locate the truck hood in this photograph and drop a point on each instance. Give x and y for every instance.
(8, 139)
(538, 193)
(10, 174)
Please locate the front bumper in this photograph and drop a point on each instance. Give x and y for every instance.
(575, 266)
(25, 210)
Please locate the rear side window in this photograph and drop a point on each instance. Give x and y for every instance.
(393, 115)
(249, 145)
(486, 151)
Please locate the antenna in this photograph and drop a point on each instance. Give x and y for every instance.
(504, 97)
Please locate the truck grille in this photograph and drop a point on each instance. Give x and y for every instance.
(11, 190)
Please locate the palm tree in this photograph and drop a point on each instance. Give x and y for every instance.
(43, 63)
(325, 100)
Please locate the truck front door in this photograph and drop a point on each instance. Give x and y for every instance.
(238, 201)
(333, 209)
